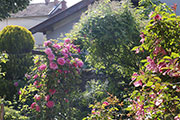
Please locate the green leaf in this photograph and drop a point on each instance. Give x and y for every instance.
(149, 84)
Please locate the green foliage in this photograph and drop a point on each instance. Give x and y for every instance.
(52, 83)
(108, 109)
(158, 96)
(11, 114)
(11, 6)
(106, 33)
(17, 42)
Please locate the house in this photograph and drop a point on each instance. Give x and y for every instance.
(31, 16)
(63, 21)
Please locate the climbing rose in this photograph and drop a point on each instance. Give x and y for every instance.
(176, 118)
(53, 66)
(37, 108)
(67, 40)
(35, 76)
(47, 43)
(32, 105)
(37, 97)
(50, 104)
(52, 91)
(80, 64)
(51, 56)
(61, 61)
(105, 103)
(42, 67)
(138, 83)
(57, 46)
(16, 84)
(48, 51)
(157, 17)
(47, 97)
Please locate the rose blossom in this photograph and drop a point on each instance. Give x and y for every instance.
(105, 103)
(35, 83)
(138, 83)
(52, 91)
(37, 97)
(46, 43)
(32, 105)
(47, 97)
(51, 56)
(61, 61)
(157, 17)
(57, 46)
(80, 63)
(48, 51)
(36, 76)
(16, 84)
(42, 67)
(50, 104)
(67, 40)
(37, 108)
(53, 66)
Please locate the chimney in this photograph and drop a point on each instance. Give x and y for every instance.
(63, 3)
(47, 2)
(56, 2)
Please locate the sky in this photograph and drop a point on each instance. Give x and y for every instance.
(69, 2)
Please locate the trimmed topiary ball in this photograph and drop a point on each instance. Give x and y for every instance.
(16, 39)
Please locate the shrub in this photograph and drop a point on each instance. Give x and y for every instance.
(106, 33)
(17, 42)
(158, 81)
(53, 82)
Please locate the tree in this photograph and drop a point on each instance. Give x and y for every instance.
(11, 6)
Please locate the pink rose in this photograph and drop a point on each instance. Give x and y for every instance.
(51, 57)
(67, 40)
(50, 104)
(80, 64)
(61, 61)
(47, 43)
(37, 97)
(57, 46)
(53, 66)
(32, 105)
(158, 102)
(176, 118)
(37, 108)
(138, 83)
(47, 97)
(157, 17)
(36, 76)
(42, 67)
(105, 103)
(16, 84)
(35, 83)
(19, 92)
(52, 91)
(60, 71)
(48, 51)
(66, 100)
(78, 50)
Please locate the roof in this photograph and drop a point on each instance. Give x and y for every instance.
(42, 27)
(38, 9)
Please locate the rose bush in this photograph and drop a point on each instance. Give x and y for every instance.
(52, 81)
(157, 93)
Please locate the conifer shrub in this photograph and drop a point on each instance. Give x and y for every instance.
(18, 43)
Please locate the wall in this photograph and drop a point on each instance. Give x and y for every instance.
(27, 22)
(64, 26)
